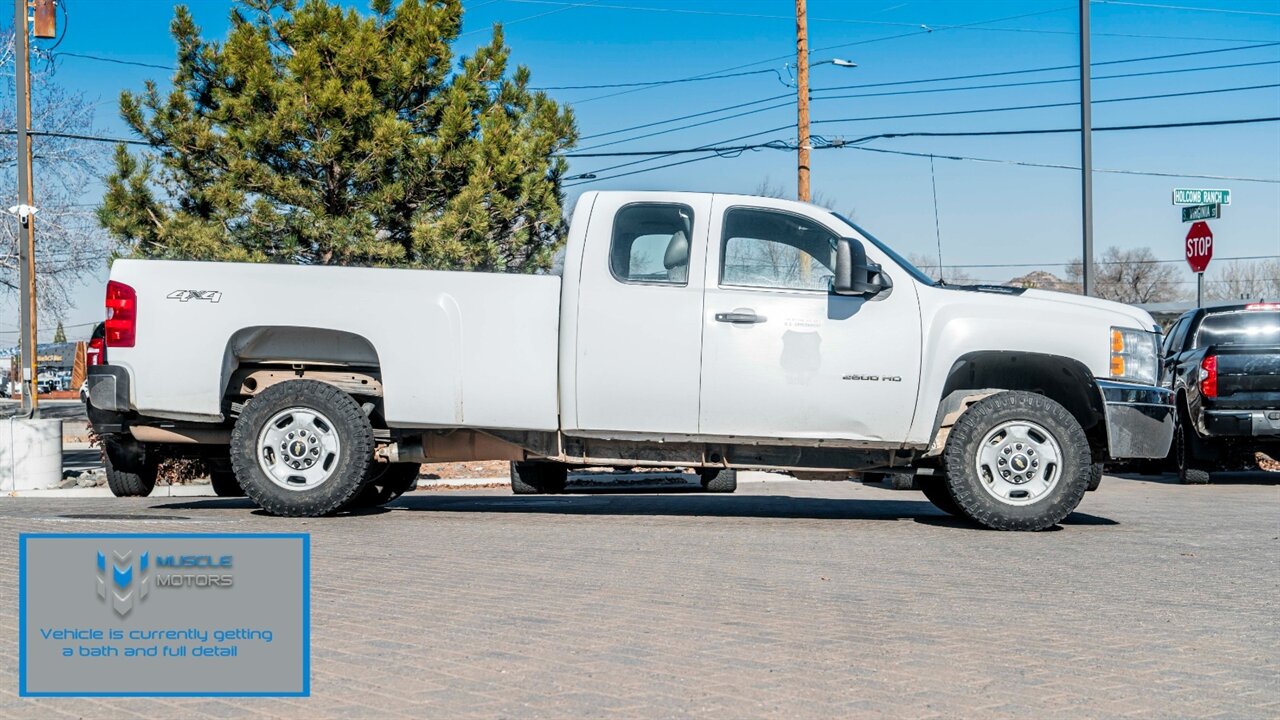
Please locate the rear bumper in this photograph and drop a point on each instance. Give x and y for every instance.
(1241, 423)
(108, 403)
(1140, 419)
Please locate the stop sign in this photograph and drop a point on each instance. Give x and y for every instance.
(1199, 246)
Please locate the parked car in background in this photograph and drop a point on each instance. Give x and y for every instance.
(95, 354)
(1223, 365)
(699, 330)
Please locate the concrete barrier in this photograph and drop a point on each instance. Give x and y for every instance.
(30, 454)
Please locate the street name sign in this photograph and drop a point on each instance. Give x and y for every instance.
(1199, 246)
(1186, 196)
(1192, 213)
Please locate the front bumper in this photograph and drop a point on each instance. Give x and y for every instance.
(1140, 419)
(1241, 423)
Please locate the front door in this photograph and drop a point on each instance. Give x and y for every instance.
(639, 335)
(782, 356)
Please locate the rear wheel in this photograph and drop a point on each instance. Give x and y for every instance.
(388, 482)
(1191, 471)
(718, 480)
(1017, 461)
(302, 448)
(131, 484)
(538, 478)
(225, 484)
(1095, 476)
(936, 490)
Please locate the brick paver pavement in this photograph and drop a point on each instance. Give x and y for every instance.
(786, 600)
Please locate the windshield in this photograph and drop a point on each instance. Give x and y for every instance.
(915, 272)
(1246, 327)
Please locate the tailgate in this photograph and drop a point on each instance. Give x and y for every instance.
(1248, 375)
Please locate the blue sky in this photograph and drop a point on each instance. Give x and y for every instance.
(988, 214)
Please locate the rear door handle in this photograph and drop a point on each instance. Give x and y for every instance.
(740, 317)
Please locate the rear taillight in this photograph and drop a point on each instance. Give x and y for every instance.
(122, 315)
(97, 352)
(1209, 376)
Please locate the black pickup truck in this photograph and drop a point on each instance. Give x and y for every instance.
(1223, 365)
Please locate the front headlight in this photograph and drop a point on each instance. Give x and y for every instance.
(1133, 355)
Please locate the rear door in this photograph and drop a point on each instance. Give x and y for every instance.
(639, 336)
(782, 356)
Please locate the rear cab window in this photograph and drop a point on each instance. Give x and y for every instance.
(651, 245)
(1244, 327)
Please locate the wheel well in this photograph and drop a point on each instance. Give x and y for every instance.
(1062, 379)
(257, 358)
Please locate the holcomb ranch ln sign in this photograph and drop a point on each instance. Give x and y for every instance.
(1185, 196)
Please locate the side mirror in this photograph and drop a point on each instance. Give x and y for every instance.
(854, 274)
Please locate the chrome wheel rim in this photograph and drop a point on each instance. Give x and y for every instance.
(299, 449)
(1019, 462)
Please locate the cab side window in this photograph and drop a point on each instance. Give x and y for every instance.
(651, 244)
(771, 249)
(1174, 341)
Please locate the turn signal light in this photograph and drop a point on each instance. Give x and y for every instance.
(1117, 346)
(122, 315)
(1209, 376)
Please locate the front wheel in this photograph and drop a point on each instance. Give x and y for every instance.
(718, 480)
(302, 448)
(1017, 461)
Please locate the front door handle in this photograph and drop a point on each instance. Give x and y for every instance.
(740, 317)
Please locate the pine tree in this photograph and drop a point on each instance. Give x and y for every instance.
(59, 335)
(314, 134)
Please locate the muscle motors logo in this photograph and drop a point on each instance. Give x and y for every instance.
(118, 583)
(125, 579)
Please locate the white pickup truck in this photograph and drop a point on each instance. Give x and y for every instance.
(706, 331)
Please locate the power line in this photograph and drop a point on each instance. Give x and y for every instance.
(924, 31)
(790, 103)
(568, 6)
(973, 76)
(729, 151)
(658, 82)
(979, 266)
(1023, 163)
(99, 58)
(1184, 7)
(1041, 106)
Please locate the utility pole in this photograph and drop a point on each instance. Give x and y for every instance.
(1086, 149)
(25, 209)
(802, 103)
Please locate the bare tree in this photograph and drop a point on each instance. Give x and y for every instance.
(1245, 280)
(946, 273)
(70, 245)
(767, 188)
(1130, 276)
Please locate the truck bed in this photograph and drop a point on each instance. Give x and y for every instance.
(455, 349)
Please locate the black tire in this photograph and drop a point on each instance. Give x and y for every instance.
(538, 478)
(1095, 477)
(1190, 470)
(131, 484)
(718, 480)
(348, 468)
(225, 484)
(388, 482)
(939, 493)
(1071, 470)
